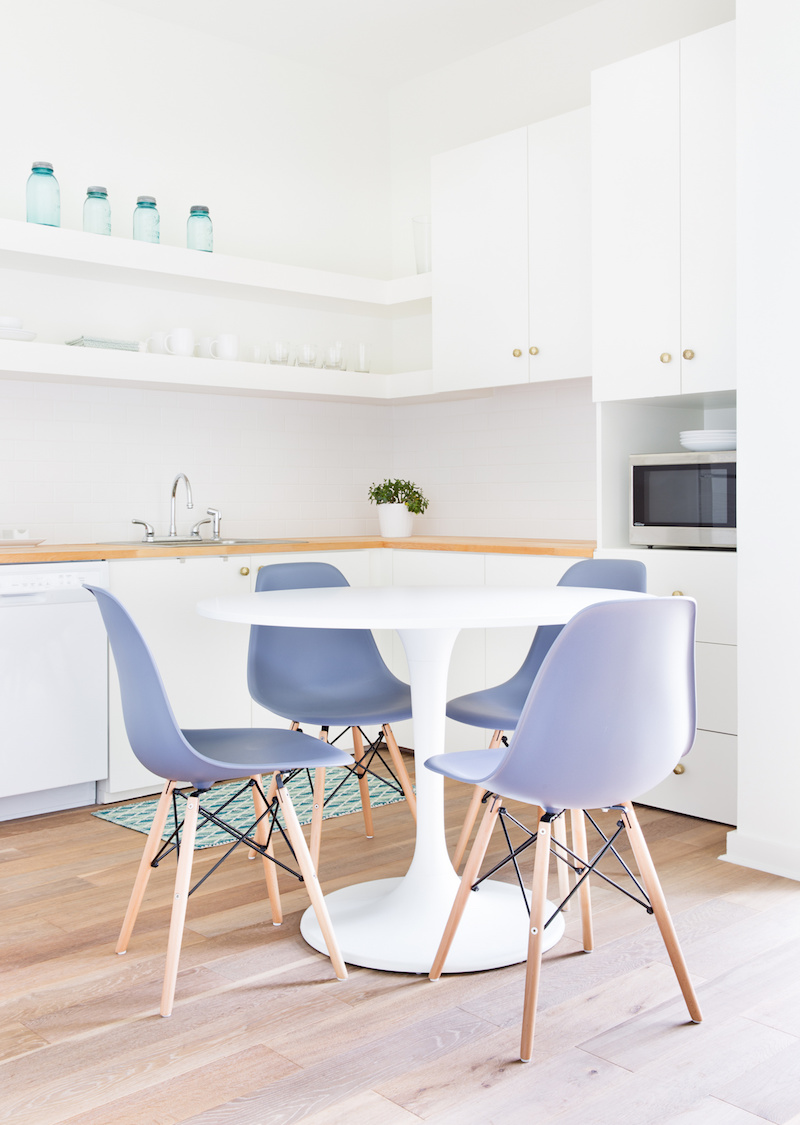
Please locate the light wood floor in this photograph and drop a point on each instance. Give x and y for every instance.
(262, 1035)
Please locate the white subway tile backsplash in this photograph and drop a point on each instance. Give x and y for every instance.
(77, 463)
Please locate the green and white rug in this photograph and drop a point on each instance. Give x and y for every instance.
(138, 815)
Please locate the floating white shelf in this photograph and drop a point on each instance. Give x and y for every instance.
(74, 253)
(60, 363)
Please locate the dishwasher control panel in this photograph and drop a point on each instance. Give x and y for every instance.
(54, 579)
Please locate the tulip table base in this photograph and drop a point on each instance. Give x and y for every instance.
(383, 925)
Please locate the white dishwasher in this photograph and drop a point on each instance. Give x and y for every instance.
(53, 687)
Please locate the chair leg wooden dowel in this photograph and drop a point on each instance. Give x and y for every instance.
(270, 871)
(652, 885)
(562, 871)
(307, 870)
(478, 794)
(363, 784)
(317, 813)
(541, 866)
(580, 848)
(152, 844)
(471, 871)
(400, 769)
(183, 879)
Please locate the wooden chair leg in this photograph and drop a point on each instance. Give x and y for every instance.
(541, 866)
(270, 871)
(152, 844)
(647, 870)
(307, 870)
(400, 769)
(183, 880)
(562, 871)
(471, 871)
(317, 813)
(478, 794)
(580, 848)
(363, 783)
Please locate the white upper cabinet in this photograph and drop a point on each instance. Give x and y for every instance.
(479, 228)
(663, 220)
(559, 221)
(511, 250)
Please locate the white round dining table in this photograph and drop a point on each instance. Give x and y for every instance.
(396, 924)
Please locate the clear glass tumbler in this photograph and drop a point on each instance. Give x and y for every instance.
(199, 230)
(42, 196)
(97, 211)
(145, 219)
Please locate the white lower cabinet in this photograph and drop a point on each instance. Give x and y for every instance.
(706, 784)
(202, 662)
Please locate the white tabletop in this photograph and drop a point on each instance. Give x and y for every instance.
(410, 607)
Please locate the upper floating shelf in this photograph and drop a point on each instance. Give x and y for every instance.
(77, 254)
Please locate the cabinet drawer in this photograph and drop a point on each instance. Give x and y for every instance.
(716, 688)
(707, 786)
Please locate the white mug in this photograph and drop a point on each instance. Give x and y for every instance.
(10, 322)
(179, 341)
(156, 343)
(204, 346)
(226, 346)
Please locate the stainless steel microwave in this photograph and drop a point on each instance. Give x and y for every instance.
(683, 499)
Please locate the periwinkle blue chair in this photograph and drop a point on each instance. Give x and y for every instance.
(499, 708)
(199, 759)
(329, 678)
(610, 713)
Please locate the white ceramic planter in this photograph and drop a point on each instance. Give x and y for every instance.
(395, 521)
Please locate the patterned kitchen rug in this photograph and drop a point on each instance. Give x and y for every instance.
(139, 814)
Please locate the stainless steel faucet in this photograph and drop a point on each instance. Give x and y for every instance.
(180, 477)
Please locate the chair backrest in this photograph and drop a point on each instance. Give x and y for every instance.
(152, 730)
(600, 574)
(612, 709)
(287, 667)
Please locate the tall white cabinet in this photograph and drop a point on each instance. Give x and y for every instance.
(511, 246)
(663, 220)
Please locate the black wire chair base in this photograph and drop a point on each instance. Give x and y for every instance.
(583, 869)
(212, 816)
(372, 750)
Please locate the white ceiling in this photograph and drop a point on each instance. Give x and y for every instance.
(387, 41)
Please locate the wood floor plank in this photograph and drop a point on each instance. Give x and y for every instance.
(771, 1087)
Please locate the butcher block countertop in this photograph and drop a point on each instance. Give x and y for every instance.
(78, 552)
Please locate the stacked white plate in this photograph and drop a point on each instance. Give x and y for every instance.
(708, 441)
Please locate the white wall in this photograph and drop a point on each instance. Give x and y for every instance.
(293, 166)
(526, 79)
(519, 463)
(768, 38)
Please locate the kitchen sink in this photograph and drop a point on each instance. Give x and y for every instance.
(176, 541)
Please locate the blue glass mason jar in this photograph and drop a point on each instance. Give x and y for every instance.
(97, 211)
(145, 219)
(199, 231)
(42, 196)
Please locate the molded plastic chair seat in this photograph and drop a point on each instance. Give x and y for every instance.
(202, 757)
(610, 713)
(329, 678)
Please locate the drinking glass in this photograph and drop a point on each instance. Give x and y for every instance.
(333, 356)
(278, 351)
(360, 357)
(306, 355)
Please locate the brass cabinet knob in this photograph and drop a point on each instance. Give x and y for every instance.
(688, 354)
(665, 357)
(244, 571)
(533, 351)
(677, 593)
(517, 352)
(679, 769)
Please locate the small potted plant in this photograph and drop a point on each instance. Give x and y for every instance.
(398, 501)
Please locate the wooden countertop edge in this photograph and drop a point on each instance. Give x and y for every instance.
(84, 552)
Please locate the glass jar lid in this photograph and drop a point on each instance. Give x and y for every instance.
(198, 209)
(96, 190)
(42, 164)
(145, 199)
